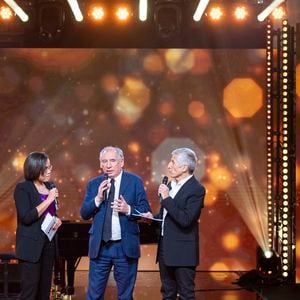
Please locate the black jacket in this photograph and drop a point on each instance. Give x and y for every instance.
(181, 227)
(30, 238)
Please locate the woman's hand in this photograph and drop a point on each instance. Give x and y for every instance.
(57, 223)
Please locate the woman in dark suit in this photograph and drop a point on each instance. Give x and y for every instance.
(34, 198)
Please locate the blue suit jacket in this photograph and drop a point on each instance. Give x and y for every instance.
(133, 191)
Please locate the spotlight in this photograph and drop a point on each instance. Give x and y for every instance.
(6, 13)
(51, 20)
(268, 253)
(97, 13)
(200, 10)
(17, 9)
(216, 13)
(241, 13)
(278, 13)
(123, 13)
(143, 10)
(268, 264)
(168, 17)
(269, 9)
(76, 10)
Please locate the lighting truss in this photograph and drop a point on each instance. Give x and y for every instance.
(281, 147)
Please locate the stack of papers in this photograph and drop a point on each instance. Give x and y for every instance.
(47, 226)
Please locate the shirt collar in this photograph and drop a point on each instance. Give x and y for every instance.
(182, 181)
(118, 178)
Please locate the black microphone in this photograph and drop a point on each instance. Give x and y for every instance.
(53, 186)
(164, 181)
(105, 177)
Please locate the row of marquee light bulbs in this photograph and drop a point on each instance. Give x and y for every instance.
(123, 12)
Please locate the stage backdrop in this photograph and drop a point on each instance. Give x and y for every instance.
(72, 102)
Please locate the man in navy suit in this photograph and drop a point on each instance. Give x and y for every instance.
(178, 247)
(110, 201)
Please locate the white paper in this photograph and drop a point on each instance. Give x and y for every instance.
(47, 226)
(148, 218)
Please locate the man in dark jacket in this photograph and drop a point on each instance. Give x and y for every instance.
(178, 248)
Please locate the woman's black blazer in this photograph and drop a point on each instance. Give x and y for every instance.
(30, 239)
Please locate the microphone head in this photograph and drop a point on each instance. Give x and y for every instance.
(165, 180)
(52, 185)
(105, 176)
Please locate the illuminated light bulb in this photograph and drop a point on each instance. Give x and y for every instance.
(6, 13)
(216, 13)
(122, 13)
(278, 13)
(240, 13)
(97, 13)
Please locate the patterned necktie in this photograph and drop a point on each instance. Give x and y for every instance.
(106, 235)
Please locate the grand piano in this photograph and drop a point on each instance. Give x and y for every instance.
(72, 244)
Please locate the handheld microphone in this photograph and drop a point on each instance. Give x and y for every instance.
(164, 181)
(105, 177)
(53, 186)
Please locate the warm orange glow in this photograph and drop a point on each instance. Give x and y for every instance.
(134, 147)
(97, 13)
(278, 13)
(243, 97)
(122, 13)
(241, 13)
(219, 266)
(230, 241)
(18, 161)
(216, 13)
(6, 13)
(297, 174)
(211, 194)
(220, 177)
(196, 109)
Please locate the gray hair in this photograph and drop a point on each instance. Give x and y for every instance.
(187, 157)
(118, 151)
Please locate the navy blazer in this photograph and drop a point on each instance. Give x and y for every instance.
(30, 239)
(181, 227)
(133, 191)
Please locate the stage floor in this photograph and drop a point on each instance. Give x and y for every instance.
(209, 286)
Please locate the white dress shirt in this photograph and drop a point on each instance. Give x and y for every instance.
(175, 187)
(115, 222)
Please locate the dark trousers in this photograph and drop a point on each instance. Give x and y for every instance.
(176, 281)
(125, 271)
(36, 278)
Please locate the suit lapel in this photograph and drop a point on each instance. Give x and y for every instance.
(124, 183)
(184, 188)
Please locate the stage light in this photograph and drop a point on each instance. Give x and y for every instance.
(278, 13)
(143, 10)
(18, 10)
(168, 17)
(216, 13)
(97, 13)
(268, 253)
(269, 134)
(268, 266)
(6, 13)
(76, 10)
(269, 9)
(51, 20)
(241, 13)
(123, 13)
(200, 10)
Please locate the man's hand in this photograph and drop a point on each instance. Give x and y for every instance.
(101, 190)
(120, 205)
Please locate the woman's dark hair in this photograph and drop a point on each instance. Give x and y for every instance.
(35, 165)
